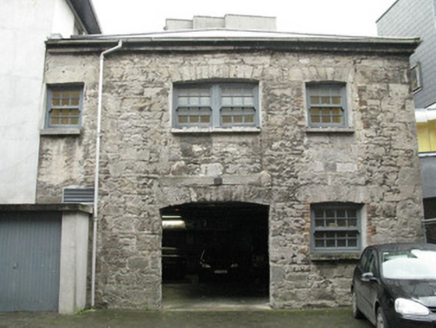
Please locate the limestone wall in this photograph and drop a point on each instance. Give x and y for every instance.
(145, 166)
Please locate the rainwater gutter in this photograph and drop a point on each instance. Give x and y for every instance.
(97, 169)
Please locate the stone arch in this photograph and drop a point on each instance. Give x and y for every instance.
(175, 190)
(235, 216)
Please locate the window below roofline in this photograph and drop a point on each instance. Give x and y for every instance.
(416, 77)
(64, 107)
(215, 106)
(327, 106)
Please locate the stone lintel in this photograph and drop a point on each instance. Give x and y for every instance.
(187, 181)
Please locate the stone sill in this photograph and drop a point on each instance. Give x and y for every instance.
(60, 132)
(334, 256)
(59, 207)
(330, 130)
(216, 130)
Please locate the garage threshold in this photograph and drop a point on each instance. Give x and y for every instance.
(220, 296)
(216, 308)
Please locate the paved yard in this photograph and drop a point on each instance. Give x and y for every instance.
(339, 317)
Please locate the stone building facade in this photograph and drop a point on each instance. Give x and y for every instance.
(402, 19)
(150, 162)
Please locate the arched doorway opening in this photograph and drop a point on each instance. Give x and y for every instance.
(215, 254)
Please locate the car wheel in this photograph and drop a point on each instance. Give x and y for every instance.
(381, 319)
(356, 312)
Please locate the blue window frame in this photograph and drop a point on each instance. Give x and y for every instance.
(223, 105)
(64, 106)
(327, 104)
(336, 227)
(416, 77)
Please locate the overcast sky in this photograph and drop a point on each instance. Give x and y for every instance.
(343, 17)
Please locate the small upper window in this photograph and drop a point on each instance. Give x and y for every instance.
(336, 227)
(64, 106)
(415, 77)
(216, 105)
(326, 103)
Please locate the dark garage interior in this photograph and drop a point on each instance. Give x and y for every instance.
(215, 254)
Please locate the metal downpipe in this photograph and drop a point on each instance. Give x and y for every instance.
(97, 169)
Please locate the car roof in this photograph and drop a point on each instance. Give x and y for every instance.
(403, 246)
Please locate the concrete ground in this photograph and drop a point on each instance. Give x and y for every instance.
(187, 303)
(338, 317)
(189, 294)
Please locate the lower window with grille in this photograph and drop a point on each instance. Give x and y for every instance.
(336, 227)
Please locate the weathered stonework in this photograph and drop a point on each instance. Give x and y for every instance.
(287, 166)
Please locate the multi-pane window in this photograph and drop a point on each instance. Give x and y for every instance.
(237, 106)
(326, 104)
(194, 106)
(64, 106)
(216, 105)
(335, 227)
(415, 77)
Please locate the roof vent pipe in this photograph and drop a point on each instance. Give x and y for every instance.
(97, 169)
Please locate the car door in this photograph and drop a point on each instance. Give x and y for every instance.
(358, 284)
(370, 287)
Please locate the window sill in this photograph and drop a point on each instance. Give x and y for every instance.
(334, 256)
(329, 130)
(216, 130)
(417, 90)
(60, 132)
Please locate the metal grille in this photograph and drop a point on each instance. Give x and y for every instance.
(78, 195)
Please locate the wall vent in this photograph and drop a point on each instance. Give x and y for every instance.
(78, 195)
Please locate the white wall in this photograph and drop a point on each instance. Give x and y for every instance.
(63, 19)
(24, 26)
(74, 262)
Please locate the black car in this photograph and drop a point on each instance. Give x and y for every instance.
(173, 263)
(220, 261)
(394, 285)
(259, 264)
